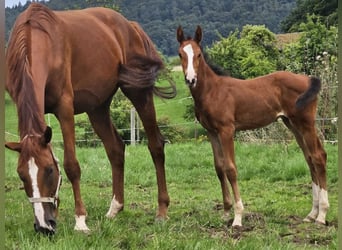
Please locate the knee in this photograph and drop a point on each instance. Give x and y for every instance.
(72, 170)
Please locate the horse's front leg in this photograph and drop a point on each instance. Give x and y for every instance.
(71, 165)
(227, 144)
(219, 167)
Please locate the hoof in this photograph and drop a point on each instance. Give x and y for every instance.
(309, 219)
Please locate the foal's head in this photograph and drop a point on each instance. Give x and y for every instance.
(39, 171)
(190, 54)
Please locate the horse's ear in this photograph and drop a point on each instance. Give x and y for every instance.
(15, 146)
(198, 34)
(180, 34)
(46, 138)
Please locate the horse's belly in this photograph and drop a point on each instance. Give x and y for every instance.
(85, 101)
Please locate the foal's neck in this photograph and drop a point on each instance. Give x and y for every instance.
(206, 78)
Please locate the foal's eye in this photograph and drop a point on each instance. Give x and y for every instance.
(199, 55)
(180, 56)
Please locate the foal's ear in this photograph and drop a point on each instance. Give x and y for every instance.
(15, 146)
(198, 34)
(180, 34)
(46, 138)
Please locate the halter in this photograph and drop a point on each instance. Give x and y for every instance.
(53, 199)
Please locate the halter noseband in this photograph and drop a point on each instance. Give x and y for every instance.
(53, 199)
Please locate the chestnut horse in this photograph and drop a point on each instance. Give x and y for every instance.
(224, 105)
(70, 62)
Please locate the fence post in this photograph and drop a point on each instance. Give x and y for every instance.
(132, 126)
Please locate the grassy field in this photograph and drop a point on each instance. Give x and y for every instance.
(275, 187)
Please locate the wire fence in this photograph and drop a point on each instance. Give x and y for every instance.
(188, 131)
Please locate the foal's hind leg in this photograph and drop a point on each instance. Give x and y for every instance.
(315, 157)
(143, 103)
(100, 120)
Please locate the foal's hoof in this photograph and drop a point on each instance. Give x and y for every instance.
(322, 223)
(161, 218)
(309, 219)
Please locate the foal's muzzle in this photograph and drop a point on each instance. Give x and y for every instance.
(190, 82)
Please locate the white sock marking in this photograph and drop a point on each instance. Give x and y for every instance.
(80, 223)
(114, 208)
(238, 210)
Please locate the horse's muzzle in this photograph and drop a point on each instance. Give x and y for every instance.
(50, 230)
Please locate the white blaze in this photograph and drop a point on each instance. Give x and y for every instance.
(190, 71)
(37, 206)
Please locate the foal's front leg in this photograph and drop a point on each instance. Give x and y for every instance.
(227, 146)
(219, 167)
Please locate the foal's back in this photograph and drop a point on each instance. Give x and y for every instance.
(260, 101)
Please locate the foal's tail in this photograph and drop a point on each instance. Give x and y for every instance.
(310, 94)
(141, 71)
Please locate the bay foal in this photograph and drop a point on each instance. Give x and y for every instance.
(224, 105)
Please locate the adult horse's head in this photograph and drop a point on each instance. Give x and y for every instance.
(190, 54)
(39, 171)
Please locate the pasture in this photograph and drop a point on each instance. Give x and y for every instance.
(275, 187)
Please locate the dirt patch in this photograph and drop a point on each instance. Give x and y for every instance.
(308, 233)
(291, 229)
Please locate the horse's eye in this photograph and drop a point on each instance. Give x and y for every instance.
(180, 56)
(199, 55)
(49, 171)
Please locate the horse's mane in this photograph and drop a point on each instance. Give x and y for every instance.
(142, 70)
(19, 81)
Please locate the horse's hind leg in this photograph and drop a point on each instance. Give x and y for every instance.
(101, 122)
(315, 157)
(143, 103)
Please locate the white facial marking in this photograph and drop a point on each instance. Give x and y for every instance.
(190, 71)
(37, 206)
(114, 208)
(80, 223)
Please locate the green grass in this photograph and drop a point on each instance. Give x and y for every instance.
(274, 183)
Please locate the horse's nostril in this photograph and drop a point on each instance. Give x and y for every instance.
(53, 223)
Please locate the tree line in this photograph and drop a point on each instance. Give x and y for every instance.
(160, 18)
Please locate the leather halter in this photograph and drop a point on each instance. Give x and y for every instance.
(53, 199)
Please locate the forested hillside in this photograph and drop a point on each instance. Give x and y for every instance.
(160, 18)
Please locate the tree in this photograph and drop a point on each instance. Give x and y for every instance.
(327, 9)
(247, 54)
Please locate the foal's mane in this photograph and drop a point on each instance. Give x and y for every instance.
(212, 65)
(20, 83)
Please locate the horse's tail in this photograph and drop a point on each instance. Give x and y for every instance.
(141, 71)
(310, 94)
(19, 79)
